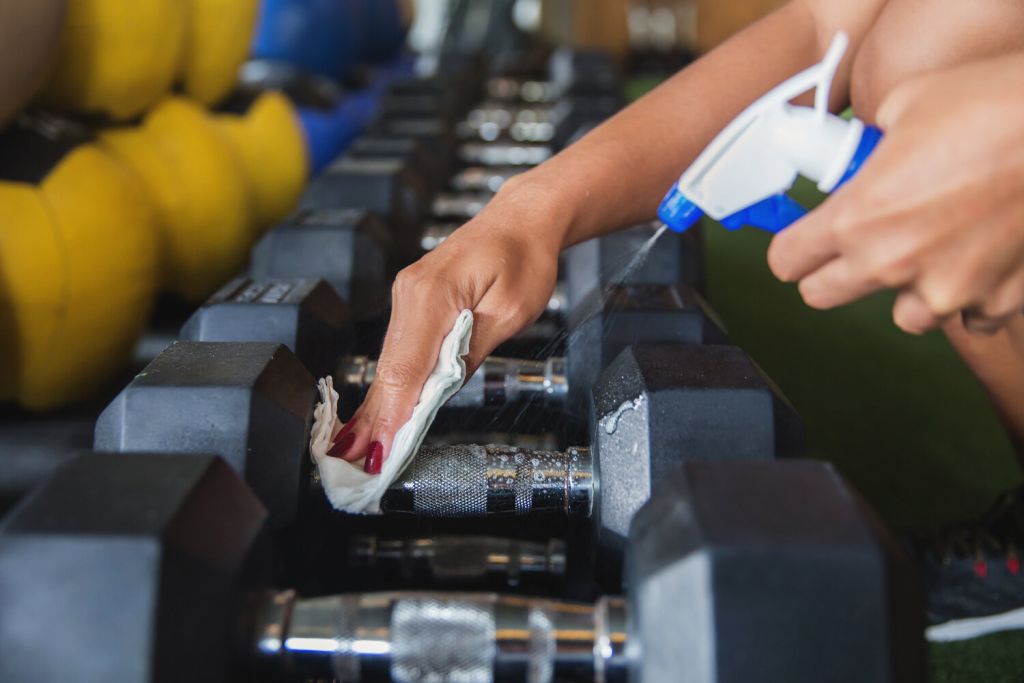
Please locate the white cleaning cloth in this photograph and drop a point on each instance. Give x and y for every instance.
(348, 487)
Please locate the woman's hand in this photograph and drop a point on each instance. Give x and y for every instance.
(937, 212)
(502, 266)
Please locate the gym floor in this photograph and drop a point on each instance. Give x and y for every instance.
(899, 415)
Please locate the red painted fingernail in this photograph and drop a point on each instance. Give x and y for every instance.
(981, 569)
(375, 459)
(345, 429)
(341, 446)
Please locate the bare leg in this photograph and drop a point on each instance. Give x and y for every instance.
(998, 362)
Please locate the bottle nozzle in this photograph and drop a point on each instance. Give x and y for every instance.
(677, 212)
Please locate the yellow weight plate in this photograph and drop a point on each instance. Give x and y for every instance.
(196, 183)
(33, 284)
(217, 40)
(269, 143)
(77, 278)
(116, 57)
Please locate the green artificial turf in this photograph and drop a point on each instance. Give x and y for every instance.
(899, 415)
(998, 658)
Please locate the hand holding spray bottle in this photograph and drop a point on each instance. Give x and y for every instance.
(741, 177)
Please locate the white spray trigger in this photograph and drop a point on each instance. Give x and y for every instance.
(745, 171)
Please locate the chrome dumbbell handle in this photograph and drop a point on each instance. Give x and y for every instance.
(529, 90)
(499, 381)
(470, 480)
(460, 558)
(426, 637)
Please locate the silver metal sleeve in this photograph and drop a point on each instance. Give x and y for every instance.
(443, 638)
(477, 481)
(356, 372)
(504, 381)
(498, 382)
(460, 558)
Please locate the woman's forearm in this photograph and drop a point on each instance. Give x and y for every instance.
(617, 174)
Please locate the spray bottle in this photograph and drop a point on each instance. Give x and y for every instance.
(741, 177)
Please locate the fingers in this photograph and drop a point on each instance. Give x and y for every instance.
(912, 315)
(499, 315)
(895, 105)
(421, 315)
(836, 283)
(806, 245)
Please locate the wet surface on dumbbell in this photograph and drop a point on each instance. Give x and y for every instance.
(252, 402)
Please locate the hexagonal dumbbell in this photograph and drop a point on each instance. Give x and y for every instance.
(349, 248)
(386, 186)
(253, 404)
(311, 321)
(751, 572)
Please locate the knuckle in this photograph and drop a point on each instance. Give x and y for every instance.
(845, 227)
(890, 271)
(899, 99)
(407, 279)
(394, 375)
(415, 280)
(519, 316)
(385, 424)
(941, 297)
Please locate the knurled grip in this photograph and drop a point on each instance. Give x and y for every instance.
(433, 637)
(475, 481)
(443, 639)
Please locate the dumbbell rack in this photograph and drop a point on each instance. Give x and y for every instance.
(555, 555)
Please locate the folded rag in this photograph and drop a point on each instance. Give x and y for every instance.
(347, 486)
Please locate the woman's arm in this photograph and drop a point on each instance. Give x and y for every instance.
(617, 174)
(502, 265)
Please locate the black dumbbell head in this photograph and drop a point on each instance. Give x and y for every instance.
(348, 248)
(250, 403)
(436, 136)
(575, 113)
(613, 317)
(768, 571)
(409, 151)
(386, 186)
(617, 258)
(126, 568)
(657, 405)
(306, 315)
